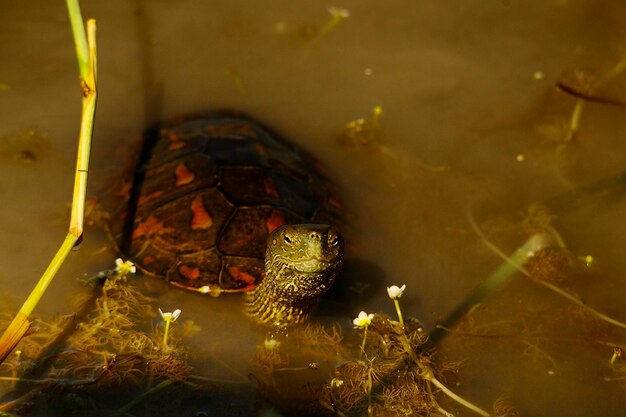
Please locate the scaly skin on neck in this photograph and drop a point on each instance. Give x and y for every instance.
(301, 263)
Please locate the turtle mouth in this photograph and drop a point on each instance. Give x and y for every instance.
(309, 265)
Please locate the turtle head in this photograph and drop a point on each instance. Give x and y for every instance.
(301, 263)
(305, 248)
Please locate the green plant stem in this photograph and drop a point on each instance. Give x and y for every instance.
(330, 25)
(80, 39)
(456, 398)
(364, 340)
(497, 278)
(138, 400)
(370, 410)
(427, 374)
(517, 261)
(397, 304)
(165, 334)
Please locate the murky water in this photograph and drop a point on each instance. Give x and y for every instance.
(471, 121)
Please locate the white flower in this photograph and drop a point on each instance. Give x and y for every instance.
(170, 317)
(336, 383)
(363, 320)
(338, 13)
(204, 290)
(395, 292)
(124, 267)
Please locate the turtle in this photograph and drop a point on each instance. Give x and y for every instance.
(219, 203)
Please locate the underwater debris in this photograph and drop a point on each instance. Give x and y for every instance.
(26, 146)
(617, 353)
(238, 80)
(364, 131)
(550, 265)
(503, 407)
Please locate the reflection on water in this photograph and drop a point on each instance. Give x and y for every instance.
(471, 121)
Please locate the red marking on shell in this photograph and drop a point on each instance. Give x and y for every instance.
(270, 187)
(201, 217)
(149, 197)
(189, 272)
(147, 260)
(176, 145)
(275, 220)
(175, 142)
(242, 276)
(149, 227)
(184, 175)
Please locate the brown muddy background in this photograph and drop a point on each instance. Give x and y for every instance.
(466, 88)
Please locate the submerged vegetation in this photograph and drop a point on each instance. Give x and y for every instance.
(103, 346)
(391, 370)
(77, 364)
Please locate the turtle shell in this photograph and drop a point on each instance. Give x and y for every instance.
(206, 195)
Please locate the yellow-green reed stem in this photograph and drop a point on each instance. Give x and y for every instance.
(396, 302)
(80, 39)
(86, 55)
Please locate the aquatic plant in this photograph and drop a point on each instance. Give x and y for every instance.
(364, 131)
(399, 375)
(362, 321)
(393, 372)
(337, 15)
(168, 318)
(104, 346)
(395, 293)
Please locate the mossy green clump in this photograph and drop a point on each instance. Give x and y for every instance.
(387, 371)
(390, 377)
(104, 350)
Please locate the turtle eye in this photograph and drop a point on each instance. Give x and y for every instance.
(334, 241)
(288, 239)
